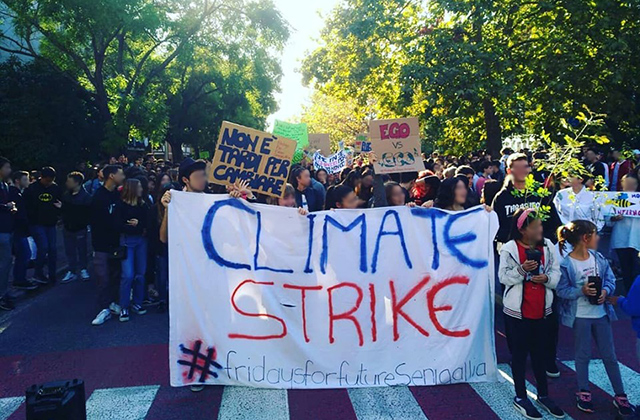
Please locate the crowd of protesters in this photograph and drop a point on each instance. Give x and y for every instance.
(548, 266)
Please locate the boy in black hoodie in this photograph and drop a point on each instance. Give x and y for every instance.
(505, 205)
(7, 212)
(43, 203)
(21, 249)
(76, 209)
(105, 238)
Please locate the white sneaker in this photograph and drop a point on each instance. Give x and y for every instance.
(197, 388)
(103, 316)
(115, 308)
(84, 274)
(68, 277)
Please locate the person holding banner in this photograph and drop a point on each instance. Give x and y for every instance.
(341, 197)
(193, 178)
(625, 237)
(529, 270)
(307, 197)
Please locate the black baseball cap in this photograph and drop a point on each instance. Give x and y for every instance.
(188, 166)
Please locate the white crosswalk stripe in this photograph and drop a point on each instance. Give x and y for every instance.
(385, 404)
(239, 402)
(130, 403)
(598, 377)
(9, 405)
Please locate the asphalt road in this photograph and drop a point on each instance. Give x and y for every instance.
(125, 369)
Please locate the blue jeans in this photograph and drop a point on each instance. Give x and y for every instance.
(5, 262)
(162, 277)
(75, 246)
(133, 269)
(22, 252)
(46, 243)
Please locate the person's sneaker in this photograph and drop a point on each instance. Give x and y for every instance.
(526, 408)
(68, 277)
(25, 285)
(124, 315)
(584, 403)
(138, 309)
(39, 279)
(548, 404)
(115, 308)
(553, 371)
(197, 388)
(84, 274)
(622, 404)
(6, 305)
(102, 317)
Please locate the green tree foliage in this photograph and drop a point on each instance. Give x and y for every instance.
(476, 71)
(43, 119)
(119, 53)
(341, 119)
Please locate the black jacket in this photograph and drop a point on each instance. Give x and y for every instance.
(39, 200)
(7, 217)
(105, 236)
(505, 204)
(127, 212)
(21, 223)
(76, 209)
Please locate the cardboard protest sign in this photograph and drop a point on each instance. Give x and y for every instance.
(320, 142)
(362, 144)
(297, 132)
(396, 143)
(332, 164)
(619, 203)
(264, 297)
(243, 153)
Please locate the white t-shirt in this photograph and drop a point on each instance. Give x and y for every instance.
(584, 269)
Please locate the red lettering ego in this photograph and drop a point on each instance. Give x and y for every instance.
(240, 311)
(345, 315)
(394, 131)
(431, 295)
(303, 295)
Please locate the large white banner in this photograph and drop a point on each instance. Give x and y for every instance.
(262, 296)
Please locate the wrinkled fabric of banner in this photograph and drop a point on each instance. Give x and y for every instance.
(262, 296)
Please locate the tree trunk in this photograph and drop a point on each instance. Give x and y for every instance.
(492, 124)
(176, 148)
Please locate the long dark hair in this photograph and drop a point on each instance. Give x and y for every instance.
(573, 232)
(335, 194)
(388, 190)
(447, 193)
(296, 171)
(129, 193)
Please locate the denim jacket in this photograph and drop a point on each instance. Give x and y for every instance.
(568, 291)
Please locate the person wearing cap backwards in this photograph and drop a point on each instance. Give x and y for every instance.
(193, 178)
